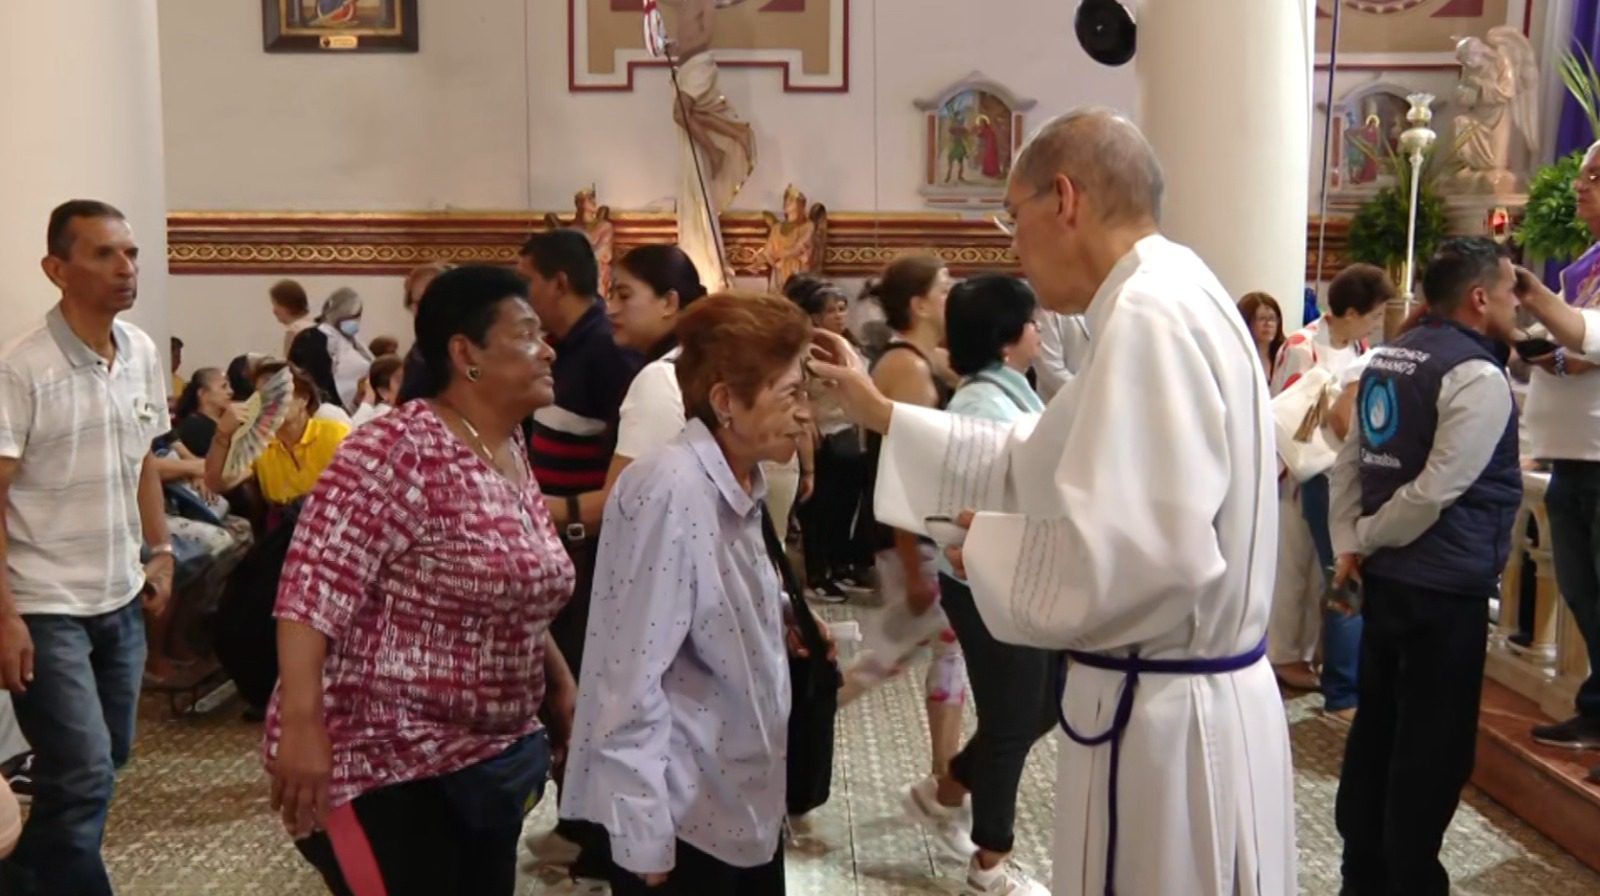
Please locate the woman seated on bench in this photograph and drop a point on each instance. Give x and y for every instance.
(294, 460)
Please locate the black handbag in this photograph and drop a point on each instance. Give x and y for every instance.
(846, 444)
(814, 685)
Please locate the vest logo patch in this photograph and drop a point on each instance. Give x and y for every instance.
(1380, 412)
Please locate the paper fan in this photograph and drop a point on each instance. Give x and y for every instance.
(263, 414)
(655, 29)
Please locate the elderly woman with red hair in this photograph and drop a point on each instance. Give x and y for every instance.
(683, 704)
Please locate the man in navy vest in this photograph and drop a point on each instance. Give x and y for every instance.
(1423, 504)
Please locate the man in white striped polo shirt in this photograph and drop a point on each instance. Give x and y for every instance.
(81, 396)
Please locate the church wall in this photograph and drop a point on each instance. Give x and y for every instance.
(482, 119)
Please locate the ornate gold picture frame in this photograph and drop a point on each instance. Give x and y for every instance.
(335, 26)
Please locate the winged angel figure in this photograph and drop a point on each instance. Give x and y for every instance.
(1499, 88)
(594, 220)
(797, 243)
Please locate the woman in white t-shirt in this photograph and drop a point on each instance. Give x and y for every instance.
(1334, 342)
(653, 286)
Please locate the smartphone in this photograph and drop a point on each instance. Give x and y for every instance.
(1528, 349)
(945, 531)
(1345, 599)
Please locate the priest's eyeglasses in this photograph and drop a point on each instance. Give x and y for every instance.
(1007, 219)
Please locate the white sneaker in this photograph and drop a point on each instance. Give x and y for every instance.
(951, 827)
(550, 848)
(1001, 880)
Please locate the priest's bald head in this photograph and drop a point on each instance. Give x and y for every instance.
(1084, 190)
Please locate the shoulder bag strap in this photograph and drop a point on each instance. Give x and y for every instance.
(810, 635)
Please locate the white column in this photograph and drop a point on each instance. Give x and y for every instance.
(80, 118)
(1225, 98)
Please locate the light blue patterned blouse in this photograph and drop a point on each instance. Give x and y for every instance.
(683, 703)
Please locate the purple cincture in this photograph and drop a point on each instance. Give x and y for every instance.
(1132, 667)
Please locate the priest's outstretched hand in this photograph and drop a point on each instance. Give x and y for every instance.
(1566, 324)
(845, 375)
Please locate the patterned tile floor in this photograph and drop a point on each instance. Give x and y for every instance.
(191, 816)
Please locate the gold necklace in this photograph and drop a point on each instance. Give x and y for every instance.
(480, 445)
(482, 448)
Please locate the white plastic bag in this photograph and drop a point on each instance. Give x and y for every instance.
(1298, 413)
(892, 636)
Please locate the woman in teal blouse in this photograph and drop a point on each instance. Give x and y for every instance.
(993, 332)
(993, 338)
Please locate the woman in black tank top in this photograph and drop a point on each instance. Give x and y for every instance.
(913, 370)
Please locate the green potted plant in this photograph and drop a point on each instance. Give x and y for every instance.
(1550, 229)
(1378, 229)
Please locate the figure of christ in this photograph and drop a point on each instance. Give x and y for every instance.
(989, 149)
(704, 114)
(718, 147)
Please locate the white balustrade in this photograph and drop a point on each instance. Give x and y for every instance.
(1549, 670)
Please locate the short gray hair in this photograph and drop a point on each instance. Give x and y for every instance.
(1102, 152)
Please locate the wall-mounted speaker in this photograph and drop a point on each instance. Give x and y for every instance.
(1106, 30)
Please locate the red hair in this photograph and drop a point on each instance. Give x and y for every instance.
(744, 339)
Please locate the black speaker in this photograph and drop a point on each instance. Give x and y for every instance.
(1106, 30)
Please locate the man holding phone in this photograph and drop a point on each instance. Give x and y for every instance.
(1563, 412)
(1423, 500)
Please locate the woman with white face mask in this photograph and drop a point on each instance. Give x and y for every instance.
(331, 353)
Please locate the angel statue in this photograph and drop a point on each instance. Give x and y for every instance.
(718, 147)
(594, 220)
(798, 243)
(1499, 87)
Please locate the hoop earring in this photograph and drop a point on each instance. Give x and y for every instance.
(473, 373)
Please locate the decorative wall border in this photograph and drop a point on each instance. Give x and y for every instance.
(372, 243)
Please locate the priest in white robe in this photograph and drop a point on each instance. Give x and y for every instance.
(1134, 524)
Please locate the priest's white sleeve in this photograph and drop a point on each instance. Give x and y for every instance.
(938, 464)
(1141, 468)
(1591, 335)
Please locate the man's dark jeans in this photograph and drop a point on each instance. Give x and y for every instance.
(78, 716)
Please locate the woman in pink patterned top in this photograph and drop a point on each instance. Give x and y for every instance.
(405, 738)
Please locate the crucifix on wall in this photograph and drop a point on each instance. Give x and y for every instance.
(806, 39)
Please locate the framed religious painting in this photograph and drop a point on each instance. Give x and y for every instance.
(360, 26)
(1367, 123)
(1410, 34)
(807, 40)
(972, 131)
